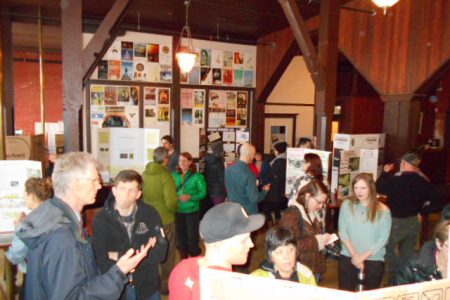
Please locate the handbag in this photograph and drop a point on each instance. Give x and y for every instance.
(130, 289)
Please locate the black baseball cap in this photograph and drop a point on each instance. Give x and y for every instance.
(226, 220)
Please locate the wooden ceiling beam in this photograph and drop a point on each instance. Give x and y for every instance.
(103, 38)
(301, 34)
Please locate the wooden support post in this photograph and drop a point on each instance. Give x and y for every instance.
(7, 68)
(328, 56)
(71, 31)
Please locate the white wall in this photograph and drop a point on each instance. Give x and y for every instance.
(296, 87)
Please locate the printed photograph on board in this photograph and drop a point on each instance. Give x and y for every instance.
(149, 96)
(139, 50)
(242, 99)
(217, 76)
(97, 94)
(114, 69)
(110, 95)
(123, 95)
(163, 96)
(140, 71)
(127, 51)
(205, 57)
(102, 70)
(153, 53)
(205, 76)
(134, 95)
(127, 70)
(163, 114)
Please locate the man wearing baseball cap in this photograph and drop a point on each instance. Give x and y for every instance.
(408, 193)
(225, 230)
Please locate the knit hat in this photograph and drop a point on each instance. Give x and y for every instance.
(226, 220)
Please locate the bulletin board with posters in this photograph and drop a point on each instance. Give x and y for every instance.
(131, 86)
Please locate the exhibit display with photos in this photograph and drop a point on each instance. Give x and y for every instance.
(295, 161)
(125, 148)
(354, 154)
(13, 175)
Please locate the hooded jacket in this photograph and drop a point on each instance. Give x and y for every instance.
(61, 263)
(304, 274)
(214, 174)
(159, 191)
(111, 236)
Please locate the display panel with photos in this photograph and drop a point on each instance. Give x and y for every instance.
(227, 108)
(193, 106)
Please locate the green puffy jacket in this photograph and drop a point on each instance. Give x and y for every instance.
(159, 191)
(194, 186)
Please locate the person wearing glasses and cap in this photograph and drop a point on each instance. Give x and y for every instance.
(225, 229)
(408, 193)
(302, 217)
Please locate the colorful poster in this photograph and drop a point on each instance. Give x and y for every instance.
(248, 78)
(97, 115)
(228, 59)
(114, 69)
(153, 53)
(205, 57)
(134, 95)
(199, 98)
(241, 117)
(13, 175)
(194, 76)
(231, 117)
(140, 71)
(121, 116)
(97, 94)
(165, 73)
(123, 95)
(205, 76)
(149, 96)
(187, 98)
(238, 78)
(198, 117)
(186, 116)
(163, 114)
(110, 95)
(139, 50)
(165, 55)
(163, 96)
(227, 76)
(127, 51)
(102, 70)
(127, 70)
(238, 60)
(217, 76)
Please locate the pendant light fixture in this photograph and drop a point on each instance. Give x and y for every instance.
(186, 54)
(384, 4)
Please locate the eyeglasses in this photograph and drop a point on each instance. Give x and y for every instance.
(320, 202)
(94, 180)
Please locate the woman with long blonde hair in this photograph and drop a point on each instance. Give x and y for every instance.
(364, 227)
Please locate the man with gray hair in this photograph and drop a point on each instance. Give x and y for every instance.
(159, 191)
(61, 263)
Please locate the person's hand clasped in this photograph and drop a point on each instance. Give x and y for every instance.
(129, 261)
(185, 197)
(358, 261)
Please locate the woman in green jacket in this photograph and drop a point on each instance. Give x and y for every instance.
(191, 189)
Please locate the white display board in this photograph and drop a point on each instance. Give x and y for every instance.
(354, 154)
(125, 148)
(223, 285)
(295, 161)
(13, 175)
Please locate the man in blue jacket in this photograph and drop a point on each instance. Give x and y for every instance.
(61, 263)
(241, 184)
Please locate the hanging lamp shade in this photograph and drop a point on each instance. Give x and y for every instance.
(385, 4)
(186, 54)
(185, 59)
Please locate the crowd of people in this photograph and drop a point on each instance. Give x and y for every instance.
(147, 218)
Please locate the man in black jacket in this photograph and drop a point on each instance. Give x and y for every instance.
(408, 192)
(127, 222)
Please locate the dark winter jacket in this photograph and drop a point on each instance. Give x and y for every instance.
(421, 269)
(278, 188)
(110, 235)
(407, 193)
(61, 263)
(214, 174)
(159, 191)
(192, 184)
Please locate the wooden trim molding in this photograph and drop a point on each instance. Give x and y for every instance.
(289, 104)
(286, 116)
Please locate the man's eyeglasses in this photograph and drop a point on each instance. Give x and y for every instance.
(94, 180)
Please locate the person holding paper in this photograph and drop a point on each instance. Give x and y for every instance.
(428, 267)
(281, 258)
(364, 227)
(303, 219)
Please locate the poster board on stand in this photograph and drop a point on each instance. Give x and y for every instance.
(13, 175)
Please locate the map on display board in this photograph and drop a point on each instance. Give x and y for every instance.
(223, 285)
(13, 175)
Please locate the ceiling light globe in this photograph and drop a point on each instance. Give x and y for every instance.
(186, 61)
